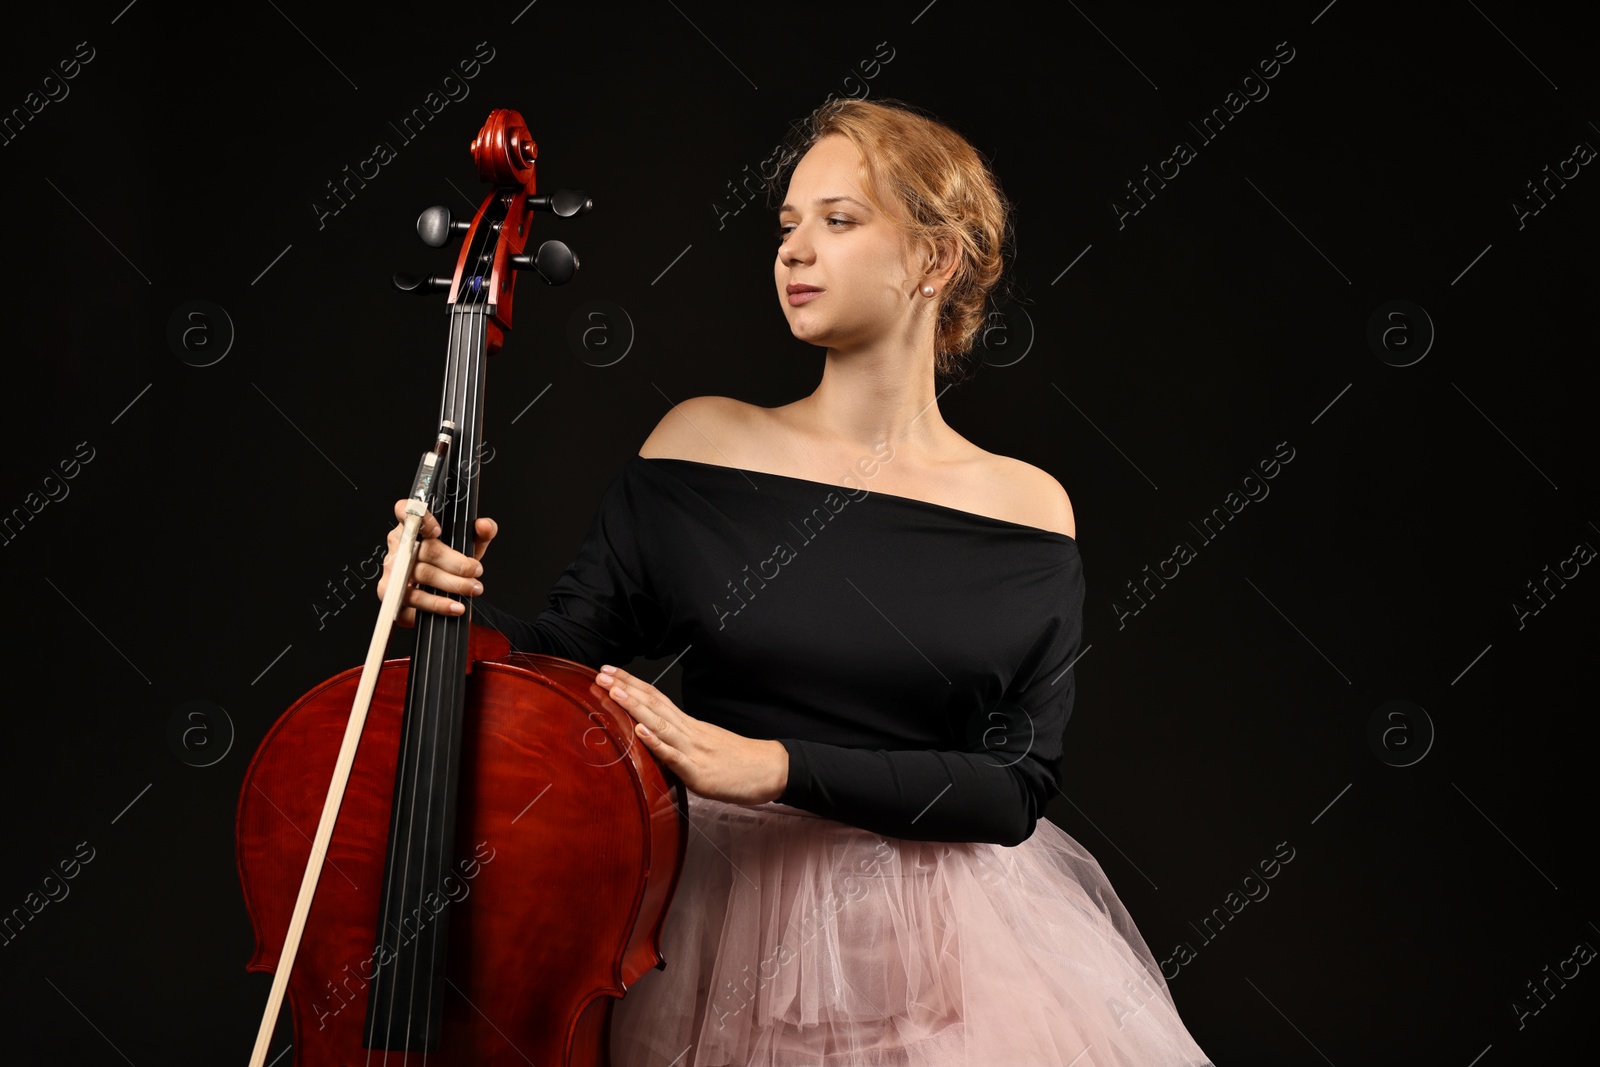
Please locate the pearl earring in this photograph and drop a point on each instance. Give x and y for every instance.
(927, 290)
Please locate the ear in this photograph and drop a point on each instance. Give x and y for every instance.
(941, 258)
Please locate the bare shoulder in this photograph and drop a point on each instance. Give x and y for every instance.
(699, 429)
(1034, 493)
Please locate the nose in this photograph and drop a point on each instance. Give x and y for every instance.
(796, 247)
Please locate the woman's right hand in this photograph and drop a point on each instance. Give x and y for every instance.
(437, 565)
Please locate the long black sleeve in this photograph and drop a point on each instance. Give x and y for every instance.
(604, 607)
(995, 789)
(921, 795)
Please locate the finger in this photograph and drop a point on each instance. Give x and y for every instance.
(662, 751)
(615, 677)
(648, 721)
(447, 570)
(422, 595)
(440, 605)
(441, 559)
(441, 553)
(431, 599)
(430, 525)
(487, 531)
(612, 679)
(439, 565)
(651, 709)
(633, 702)
(640, 690)
(446, 581)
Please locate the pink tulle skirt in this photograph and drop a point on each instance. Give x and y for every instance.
(797, 940)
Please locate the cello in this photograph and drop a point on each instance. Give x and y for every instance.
(491, 865)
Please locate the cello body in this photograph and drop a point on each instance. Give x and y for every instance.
(570, 844)
(500, 852)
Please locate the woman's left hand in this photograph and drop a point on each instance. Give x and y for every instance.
(714, 762)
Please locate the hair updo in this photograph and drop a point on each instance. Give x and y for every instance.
(945, 192)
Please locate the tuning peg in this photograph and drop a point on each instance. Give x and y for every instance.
(419, 284)
(554, 262)
(563, 202)
(436, 226)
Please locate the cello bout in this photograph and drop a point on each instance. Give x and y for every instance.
(571, 841)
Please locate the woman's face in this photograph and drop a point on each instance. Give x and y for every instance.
(831, 238)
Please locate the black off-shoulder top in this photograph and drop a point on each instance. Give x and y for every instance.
(913, 659)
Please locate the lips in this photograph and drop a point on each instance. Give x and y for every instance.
(802, 294)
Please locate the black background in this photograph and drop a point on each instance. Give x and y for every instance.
(1230, 714)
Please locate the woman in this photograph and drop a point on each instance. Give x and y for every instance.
(876, 620)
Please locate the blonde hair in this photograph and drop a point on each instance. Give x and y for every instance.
(946, 193)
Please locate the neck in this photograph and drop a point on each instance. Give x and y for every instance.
(882, 394)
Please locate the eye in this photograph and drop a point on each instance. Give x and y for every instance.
(783, 231)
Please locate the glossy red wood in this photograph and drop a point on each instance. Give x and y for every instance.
(571, 838)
